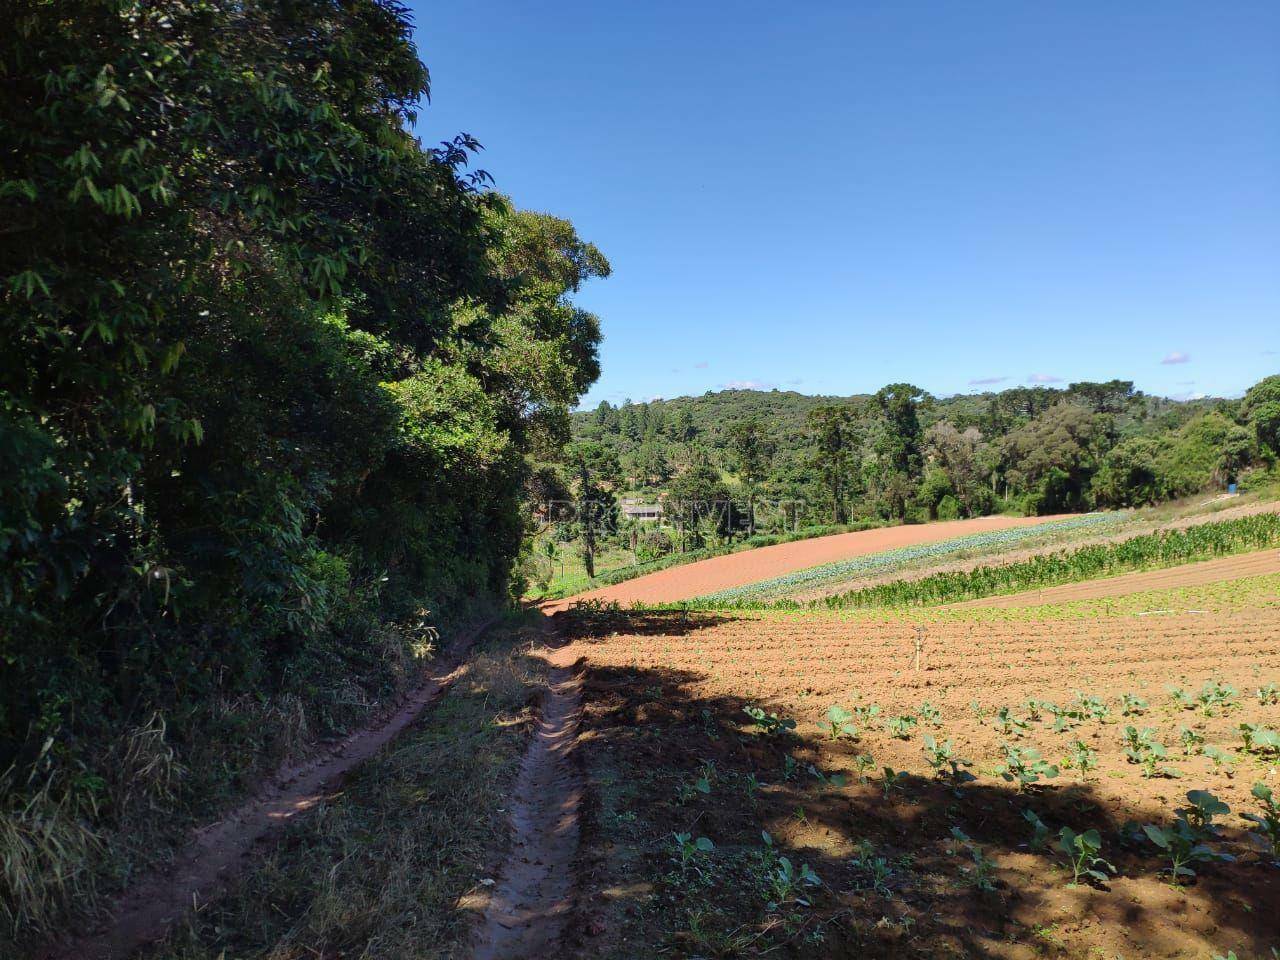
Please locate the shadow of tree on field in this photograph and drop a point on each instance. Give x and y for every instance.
(663, 756)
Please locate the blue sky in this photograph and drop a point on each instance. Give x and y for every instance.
(828, 197)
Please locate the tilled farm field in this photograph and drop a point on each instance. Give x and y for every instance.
(750, 566)
(874, 843)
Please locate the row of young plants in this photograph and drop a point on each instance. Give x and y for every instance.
(1025, 767)
(1150, 551)
(788, 890)
(889, 560)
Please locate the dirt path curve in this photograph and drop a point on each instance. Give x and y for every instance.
(701, 577)
(1186, 575)
(527, 912)
(149, 907)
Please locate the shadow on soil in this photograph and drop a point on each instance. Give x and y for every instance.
(895, 882)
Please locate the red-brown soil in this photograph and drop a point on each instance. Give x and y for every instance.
(751, 566)
(526, 914)
(1187, 575)
(665, 695)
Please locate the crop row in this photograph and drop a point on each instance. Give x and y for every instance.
(889, 560)
(1149, 551)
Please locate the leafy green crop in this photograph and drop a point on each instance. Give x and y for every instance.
(1191, 741)
(981, 870)
(687, 848)
(769, 724)
(1142, 748)
(1216, 697)
(1025, 767)
(1266, 835)
(1145, 552)
(1132, 705)
(1082, 757)
(1082, 851)
(1009, 724)
(901, 727)
(784, 882)
(1186, 841)
(840, 723)
(1259, 740)
(946, 765)
(1040, 833)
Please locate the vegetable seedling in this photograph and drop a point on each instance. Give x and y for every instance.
(1267, 835)
(1082, 851)
(840, 723)
(1025, 767)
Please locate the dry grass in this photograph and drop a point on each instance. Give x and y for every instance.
(46, 850)
(382, 868)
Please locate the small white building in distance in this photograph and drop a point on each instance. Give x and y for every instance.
(635, 510)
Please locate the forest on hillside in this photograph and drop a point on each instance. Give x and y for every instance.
(742, 463)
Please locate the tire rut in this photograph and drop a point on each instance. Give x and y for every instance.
(217, 852)
(532, 901)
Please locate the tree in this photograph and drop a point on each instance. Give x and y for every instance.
(1129, 474)
(272, 371)
(958, 455)
(597, 511)
(698, 499)
(1261, 411)
(834, 455)
(1112, 397)
(751, 453)
(897, 444)
(648, 465)
(682, 426)
(1054, 456)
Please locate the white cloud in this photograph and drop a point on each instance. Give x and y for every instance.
(700, 365)
(746, 385)
(1043, 378)
(1176, 357)
(984, 381)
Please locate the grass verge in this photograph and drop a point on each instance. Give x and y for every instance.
(391, 865)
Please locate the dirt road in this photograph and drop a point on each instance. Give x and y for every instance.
(154, 902)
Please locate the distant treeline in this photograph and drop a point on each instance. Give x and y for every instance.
(902, 454)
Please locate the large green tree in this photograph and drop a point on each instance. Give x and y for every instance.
(1261, 411)
(271, 368)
